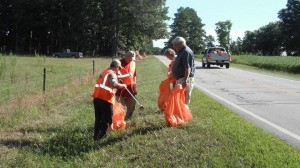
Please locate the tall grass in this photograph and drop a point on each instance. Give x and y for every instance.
(2, 66)
(57, 131)
(24, 75)
(8, 66)
(13, 67)
(13, 73)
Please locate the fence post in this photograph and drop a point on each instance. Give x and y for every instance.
(93, 67)
(44, 81)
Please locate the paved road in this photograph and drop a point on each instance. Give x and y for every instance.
(271, 103)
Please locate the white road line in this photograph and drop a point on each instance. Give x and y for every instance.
(287, 132)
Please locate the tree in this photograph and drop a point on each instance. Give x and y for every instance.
(6, 26)
(223, 32)
(92, 27)
(269, 38)
(236, 46)
(249, 42)
(188, 25)
(239, 43)
(290, 16)
(95, 27)
(133, 23)
(209, 41)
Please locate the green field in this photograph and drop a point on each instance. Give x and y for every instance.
(55, 129)
(285, 67)
(275, 63)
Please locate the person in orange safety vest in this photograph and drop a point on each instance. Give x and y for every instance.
(137, 53)
(170, 54)
(104, 98)
(127, 75)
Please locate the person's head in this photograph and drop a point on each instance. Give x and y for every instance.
(115, 65)
(129, 56)
(170, 53)
(178, 43)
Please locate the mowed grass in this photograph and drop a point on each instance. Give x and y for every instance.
(56, 131)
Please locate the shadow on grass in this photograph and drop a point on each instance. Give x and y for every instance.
(61, 142)
(146, 130)
(67, 143)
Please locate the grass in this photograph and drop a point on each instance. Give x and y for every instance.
(23, 76)
(56, 131)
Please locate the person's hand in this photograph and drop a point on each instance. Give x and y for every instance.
(133, 89)
(123, 86)
(184, 83)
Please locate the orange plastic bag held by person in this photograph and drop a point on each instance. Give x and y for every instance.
(177, 112)
(164, 93)
(118, 121)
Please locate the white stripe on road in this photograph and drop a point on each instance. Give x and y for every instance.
(287, 132)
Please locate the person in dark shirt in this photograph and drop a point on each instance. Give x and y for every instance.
(184, 67)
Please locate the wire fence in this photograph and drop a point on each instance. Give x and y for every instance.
(21, 86)
(42, 81)
(54, 81)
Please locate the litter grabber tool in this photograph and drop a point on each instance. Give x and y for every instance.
(141, 106)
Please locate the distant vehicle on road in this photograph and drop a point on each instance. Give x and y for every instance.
(66, 53)
(216, 56)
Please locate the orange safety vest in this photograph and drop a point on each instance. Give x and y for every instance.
(103, 90)
(137, 53)
(170, 76)
(126, 76)
(132, 71)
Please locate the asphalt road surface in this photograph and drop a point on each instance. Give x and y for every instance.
(271, 103)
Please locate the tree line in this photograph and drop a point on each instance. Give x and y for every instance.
(95, 27)
(271, 39)
(101, 27)
(275, 37)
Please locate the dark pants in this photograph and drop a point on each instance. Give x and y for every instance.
(103, 117)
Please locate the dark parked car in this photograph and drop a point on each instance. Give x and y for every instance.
(66, 53)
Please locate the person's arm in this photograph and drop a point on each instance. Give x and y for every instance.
(114, 82)
(186, 76)
(119, 85)
(187, 69)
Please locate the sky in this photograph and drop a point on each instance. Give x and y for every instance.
(243, 14)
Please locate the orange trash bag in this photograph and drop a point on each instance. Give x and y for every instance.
(164, 93)
(177, 112)
(118, 119)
